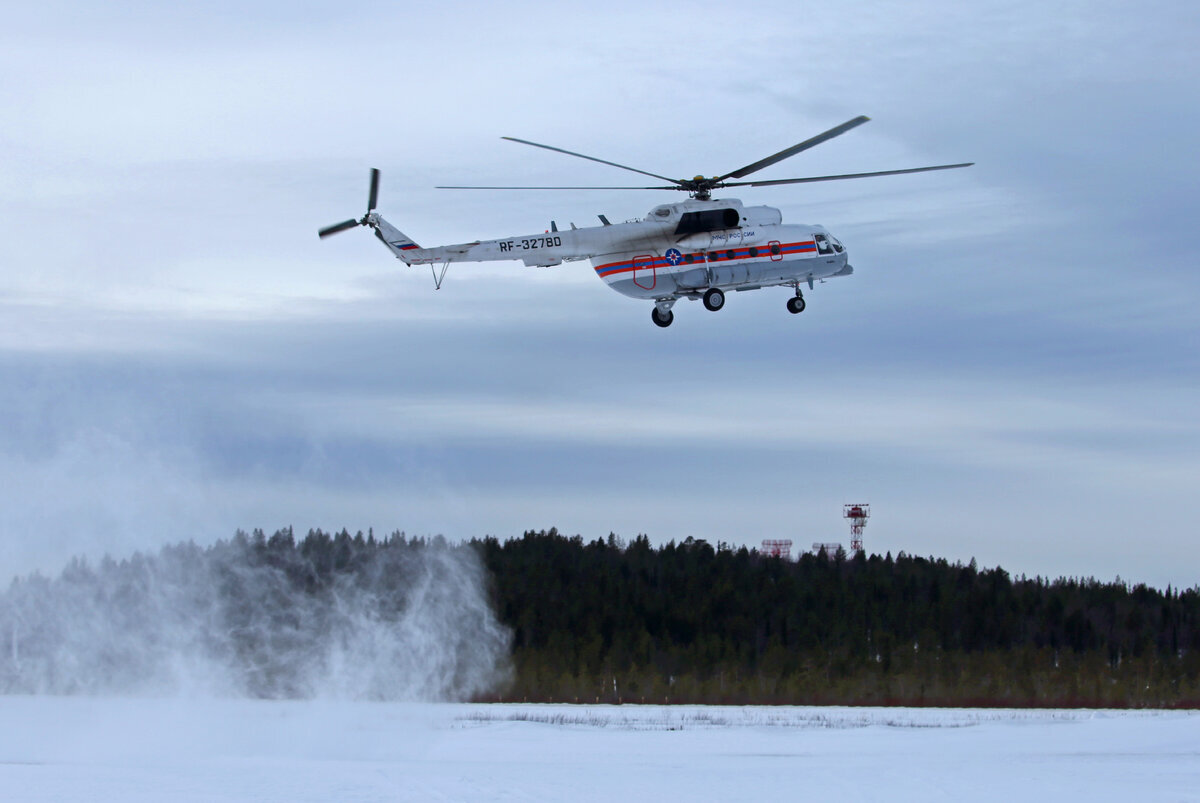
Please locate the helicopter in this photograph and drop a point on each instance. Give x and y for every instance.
(695, 249)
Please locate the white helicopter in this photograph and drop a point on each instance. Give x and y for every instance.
(695, 249)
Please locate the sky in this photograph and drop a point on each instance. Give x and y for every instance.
(1010, 374)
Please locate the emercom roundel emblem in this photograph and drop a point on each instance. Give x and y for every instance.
(673, 256)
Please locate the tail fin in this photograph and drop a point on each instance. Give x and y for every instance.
(397, 241)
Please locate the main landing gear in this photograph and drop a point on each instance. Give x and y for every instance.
(714, 299)
(796, 304)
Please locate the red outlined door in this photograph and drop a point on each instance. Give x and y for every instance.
(776, 250)
(644, 275)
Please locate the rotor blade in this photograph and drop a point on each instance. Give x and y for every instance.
(334, 229)
(772, 182)
(555, 188)
(374, 196)
(795, 149)
(590, 158)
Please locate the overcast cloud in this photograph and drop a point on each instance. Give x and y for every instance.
(1010, 374)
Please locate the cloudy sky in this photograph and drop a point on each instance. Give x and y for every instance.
(1010, 374)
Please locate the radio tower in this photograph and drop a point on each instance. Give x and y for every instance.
(858, 515)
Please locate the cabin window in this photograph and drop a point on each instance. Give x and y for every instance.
(688, 258)
(729, 255)
(753, 252)
(775, 249)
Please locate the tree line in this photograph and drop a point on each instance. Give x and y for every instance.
(690, 622)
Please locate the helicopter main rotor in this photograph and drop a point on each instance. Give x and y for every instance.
(701, 187)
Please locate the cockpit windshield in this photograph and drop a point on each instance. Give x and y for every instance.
(828, 244)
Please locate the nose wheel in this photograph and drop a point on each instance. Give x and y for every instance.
(661, 313)
(796, 304)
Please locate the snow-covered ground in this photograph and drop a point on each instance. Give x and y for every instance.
(75, 748)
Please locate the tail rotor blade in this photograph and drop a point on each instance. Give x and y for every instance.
(374, 190)
(366, 220)
(334, 229)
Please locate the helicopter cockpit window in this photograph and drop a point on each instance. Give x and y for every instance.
(708, 220)
(823, 246)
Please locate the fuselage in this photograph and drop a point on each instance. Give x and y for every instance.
(678, 250)
(722, 244)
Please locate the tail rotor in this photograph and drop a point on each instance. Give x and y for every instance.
(366, 219)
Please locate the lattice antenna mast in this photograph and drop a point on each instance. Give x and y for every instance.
(858, 515)
(777, 548)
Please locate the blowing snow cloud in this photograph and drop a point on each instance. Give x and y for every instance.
(333, 616)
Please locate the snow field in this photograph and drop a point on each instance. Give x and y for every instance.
(76, 748)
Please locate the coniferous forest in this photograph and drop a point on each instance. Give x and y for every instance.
(560, 619)
(689, 622)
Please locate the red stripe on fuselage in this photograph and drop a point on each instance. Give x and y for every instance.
(613, 268)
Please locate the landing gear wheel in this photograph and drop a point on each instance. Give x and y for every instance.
(663, 320)
(714, 299)
(796, 304)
